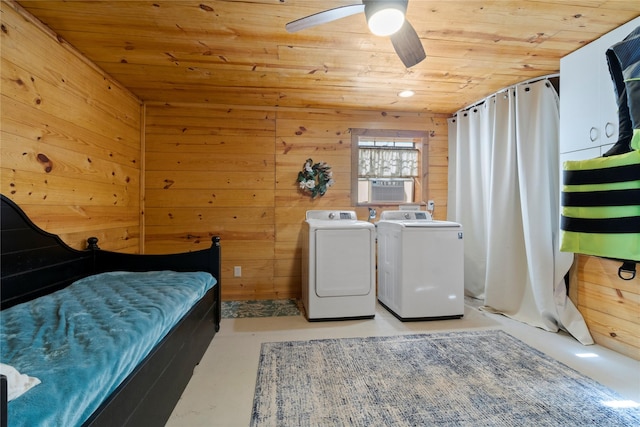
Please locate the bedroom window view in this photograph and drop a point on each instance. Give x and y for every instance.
(389, 166)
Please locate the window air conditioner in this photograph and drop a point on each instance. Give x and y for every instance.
(387, 190)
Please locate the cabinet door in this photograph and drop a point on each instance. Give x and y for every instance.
(608, 103)
(588, 105)
(579, 106)
(607, 96)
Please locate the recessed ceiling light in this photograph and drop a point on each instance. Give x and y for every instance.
(406, 94)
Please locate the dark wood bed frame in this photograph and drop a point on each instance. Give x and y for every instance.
(35, 263)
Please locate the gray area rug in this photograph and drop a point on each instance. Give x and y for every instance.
(259, 308)
(480, 378)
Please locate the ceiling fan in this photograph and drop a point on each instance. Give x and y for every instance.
(384, 17)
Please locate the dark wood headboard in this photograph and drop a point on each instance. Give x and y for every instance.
(34, 262)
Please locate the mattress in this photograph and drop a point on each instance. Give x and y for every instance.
(84, 340)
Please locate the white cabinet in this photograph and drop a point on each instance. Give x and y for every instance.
(588, 105)
(581, 86)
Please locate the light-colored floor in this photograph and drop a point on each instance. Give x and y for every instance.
(221, 390)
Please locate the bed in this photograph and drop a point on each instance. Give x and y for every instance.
(37, 265)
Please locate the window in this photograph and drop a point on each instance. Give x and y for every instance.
(388, 166)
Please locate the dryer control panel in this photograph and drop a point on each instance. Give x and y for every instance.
(328, 215)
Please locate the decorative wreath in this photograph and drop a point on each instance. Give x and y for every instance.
(315, 178)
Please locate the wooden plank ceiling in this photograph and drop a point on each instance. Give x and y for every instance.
(238, 52)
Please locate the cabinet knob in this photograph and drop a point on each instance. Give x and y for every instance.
(609, 129)
(593, 134)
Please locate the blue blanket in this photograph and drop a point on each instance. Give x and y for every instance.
(84, 340)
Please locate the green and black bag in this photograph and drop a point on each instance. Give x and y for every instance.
(601, 206)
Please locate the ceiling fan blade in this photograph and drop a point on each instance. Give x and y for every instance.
(408, 45)
(324, 17)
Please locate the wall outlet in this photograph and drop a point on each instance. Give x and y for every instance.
(431, 205)
(237, 271)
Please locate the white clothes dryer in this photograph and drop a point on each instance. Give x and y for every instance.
(420, 266)
(338, 266)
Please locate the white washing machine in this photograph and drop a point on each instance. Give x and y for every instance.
(420, 266)
(338, 266)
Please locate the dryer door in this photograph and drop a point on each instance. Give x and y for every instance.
(344, 260)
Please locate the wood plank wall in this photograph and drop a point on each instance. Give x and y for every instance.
(609, 305)
(70, 138)
(232, 171)
(71, 144)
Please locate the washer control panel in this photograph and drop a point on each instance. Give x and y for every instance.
(406, 216)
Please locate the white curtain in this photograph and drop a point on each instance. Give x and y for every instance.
(387, 163)
(507, 199)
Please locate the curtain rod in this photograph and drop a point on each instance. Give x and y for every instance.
(526, 82)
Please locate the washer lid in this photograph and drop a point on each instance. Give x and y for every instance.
(414, 219)
(430, 224)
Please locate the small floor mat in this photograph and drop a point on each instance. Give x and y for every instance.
(260, 308)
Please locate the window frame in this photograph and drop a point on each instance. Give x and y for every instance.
(423, 172)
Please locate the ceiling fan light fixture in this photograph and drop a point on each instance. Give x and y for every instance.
(387, 14)
(386, 22)
(385, 17)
